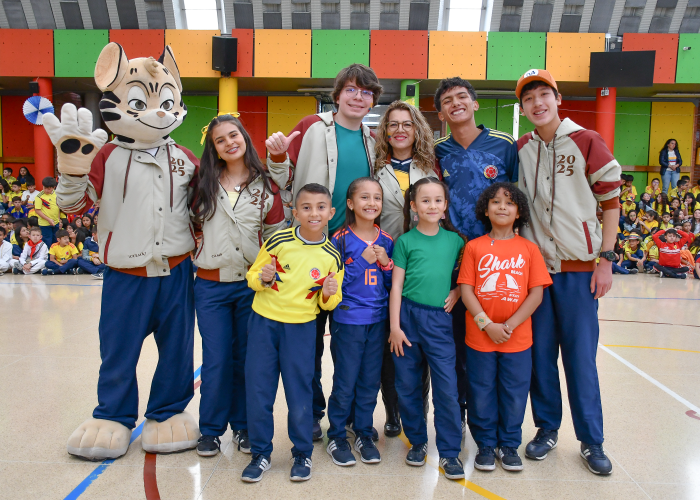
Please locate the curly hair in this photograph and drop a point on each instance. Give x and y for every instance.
(423, 150)
(515, 194)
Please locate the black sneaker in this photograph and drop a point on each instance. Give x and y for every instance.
(598, 462)
(301, 469)
(254, 471)
(317, 434)
(208, 446)
(453, 467)
(369, 453)
(16, 270)
(633, 271)
(78, 270)
(416, 455)
(375, 435)
(510, 460)
(340, 452)
(242, 440)
(47, 272)
(543, 441)
(485, 459)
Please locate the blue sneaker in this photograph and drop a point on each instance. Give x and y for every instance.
(543, 442)
(598, 462)
(453, 467)
(510, 460)
(254, 472)
(375, 435)
(416, 455)
(301, 469)
(369, 453)
(339, 450)
(485, 459)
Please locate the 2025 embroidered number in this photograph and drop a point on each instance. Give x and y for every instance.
(565, 165)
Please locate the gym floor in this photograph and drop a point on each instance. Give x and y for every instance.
(648, 363)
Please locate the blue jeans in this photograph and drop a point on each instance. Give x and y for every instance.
(669, 179)
(48, 235)
(62, 269)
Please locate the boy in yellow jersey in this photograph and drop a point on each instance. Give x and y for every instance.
(63, 256)
(297, 271)
(628, 191)
(47, 211)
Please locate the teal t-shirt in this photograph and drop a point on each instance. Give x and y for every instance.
(352, 164)
(428, 262)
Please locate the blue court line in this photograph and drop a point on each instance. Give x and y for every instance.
(85, 484)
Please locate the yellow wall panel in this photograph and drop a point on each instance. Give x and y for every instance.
(283, 53)
(671, 120)
(283, 113)
(569, 54)
(444, 45)
(192, 49)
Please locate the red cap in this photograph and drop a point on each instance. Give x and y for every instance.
(535, 75)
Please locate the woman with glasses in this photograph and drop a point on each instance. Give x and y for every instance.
(404, 155)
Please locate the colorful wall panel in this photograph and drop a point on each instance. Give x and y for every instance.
(26, 53)
(283, 53)
(399, 54)
(192, 49)
(285, 112)
(201, 109)
(455, 53)
(671, 120)
(569, 54)
(504, 119)
(333, 50)
(17, 132)
(487, 114)
(581, 112)
(140, 43)
(253, 111)
(510, 55)
(246, 49)
(688, 69)
(632, 121)
(76, 51)
(666, 47)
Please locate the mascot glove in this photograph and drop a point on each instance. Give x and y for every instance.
(76, 143)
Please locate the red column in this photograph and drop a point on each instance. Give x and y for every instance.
(605, 115)
(43, 148)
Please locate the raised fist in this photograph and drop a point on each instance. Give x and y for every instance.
(75, 142)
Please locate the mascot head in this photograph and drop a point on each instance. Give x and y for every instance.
(142, 102)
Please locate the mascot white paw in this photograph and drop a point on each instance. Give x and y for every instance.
(98, 440)
(178, 433)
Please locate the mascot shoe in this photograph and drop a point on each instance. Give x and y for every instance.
(98, 440)
(178, 433)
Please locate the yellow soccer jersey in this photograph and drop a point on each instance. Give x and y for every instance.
(627, 206)
(652, 191)
(302, 267)
(63, 253)
(631, 193)
(653, 253)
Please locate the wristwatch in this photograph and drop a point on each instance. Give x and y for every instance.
(609, 255)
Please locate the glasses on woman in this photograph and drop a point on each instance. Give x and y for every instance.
(367, 95)
(394, 126)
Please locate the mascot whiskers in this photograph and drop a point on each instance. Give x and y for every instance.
(145, 183)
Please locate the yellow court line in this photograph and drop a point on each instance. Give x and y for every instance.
(467, 484)
(649, 347)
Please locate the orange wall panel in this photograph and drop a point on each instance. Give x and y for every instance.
(26, 53)
(666, 47)
(140, 43)
(442, 47)
(246, 47)
(192, 50)
(283, 53)
(569, 54)
(399, 54)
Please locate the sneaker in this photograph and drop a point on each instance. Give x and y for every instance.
(453, 467)
(47, 272)
(78, 270)
(598, 462)
(317, 434)
(98, 276)
(242, 440)
(375, 435)
(254, 471)
(543, 441)
(369, 453)
(416, 455)
(510, 460)
(301, 469)
(661, 275)
(16, 270)
(73, 271)
(208, 446)
(340, 452)
(634, 271)
(485, 459)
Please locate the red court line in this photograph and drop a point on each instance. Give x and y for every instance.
(647, 322)
(692, 414)
(150, 483)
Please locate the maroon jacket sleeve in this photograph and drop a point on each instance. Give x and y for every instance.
(276, 213)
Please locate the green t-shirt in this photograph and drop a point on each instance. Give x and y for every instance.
(352, 164)
(428, 262)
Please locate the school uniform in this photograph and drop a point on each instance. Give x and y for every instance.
(90, 249)
(230, 243)
(47, 204)
(36, 255)
(282, 335)
(68, 254)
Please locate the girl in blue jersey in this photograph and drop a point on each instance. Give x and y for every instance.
(358, 325)
(421, 324)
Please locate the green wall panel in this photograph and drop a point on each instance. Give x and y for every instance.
(632, 121)
(512, 54)
(688, 66)
(504, 121)
(640, 181)
(333, 50)
(201, 109)
(486, 115)
(76, 51)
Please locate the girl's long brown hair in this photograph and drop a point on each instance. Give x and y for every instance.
(423, 151)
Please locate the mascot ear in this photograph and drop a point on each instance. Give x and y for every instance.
(167, 59)
(111, 67)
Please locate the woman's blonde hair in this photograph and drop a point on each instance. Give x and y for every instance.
(423, 151)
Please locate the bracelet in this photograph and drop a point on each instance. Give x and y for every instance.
(388, 267)
(482, 321)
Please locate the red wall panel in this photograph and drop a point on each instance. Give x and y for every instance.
(666, 47)
(26, 52)
(582, 112)
(140, 43)
(399, 54)
(17, 132)
(246, 47)
(253, 111)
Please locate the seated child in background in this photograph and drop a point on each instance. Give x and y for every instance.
(630, 223)
(22, 237)
(627, 190)
(670, 242)
(665, 221)
(7, 175)
(689, 205)
(626, 206)
(90, 263)
(30, 194)
(632, 257)
(34, 255)
(645, 203)
(648, 221)
(63, 256)
(654, 189)
(500, 300)
(5, 253)
(18, 211)
(8, 225)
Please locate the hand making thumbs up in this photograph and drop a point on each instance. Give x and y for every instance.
(330, 286)
(268, 272)
(278, 143)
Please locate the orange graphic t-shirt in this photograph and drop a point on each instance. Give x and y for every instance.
(502, 273)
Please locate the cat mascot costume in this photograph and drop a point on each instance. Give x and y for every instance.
(145, 183)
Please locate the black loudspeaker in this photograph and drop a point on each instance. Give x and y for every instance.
(410, 90)
(622, 69)
(224, 54)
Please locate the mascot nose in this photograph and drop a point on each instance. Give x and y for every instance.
(161, 114)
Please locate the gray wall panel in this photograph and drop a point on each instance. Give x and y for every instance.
(85, 12)
(43, 14)
(557, 12)
(404, 13)
(510, 22)
(243, 13)
(388, 21)
(330, 21)
(58, 15)
(690, 25)
(316, 14)
(647, 15)
(419, 16)
(113, 14)
(600, 22)
(286, 14)
(570, 24)
(678, 16)
(526, 15)
(14, 11)
(586, 16)
(301, 20)
(496, 15)
(72, 16)
(616, 16)
(29, 14)
(629, 24)
(141, 10)
(660, 25)
(541, 17)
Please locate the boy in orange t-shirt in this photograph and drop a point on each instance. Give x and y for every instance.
(502, 279)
